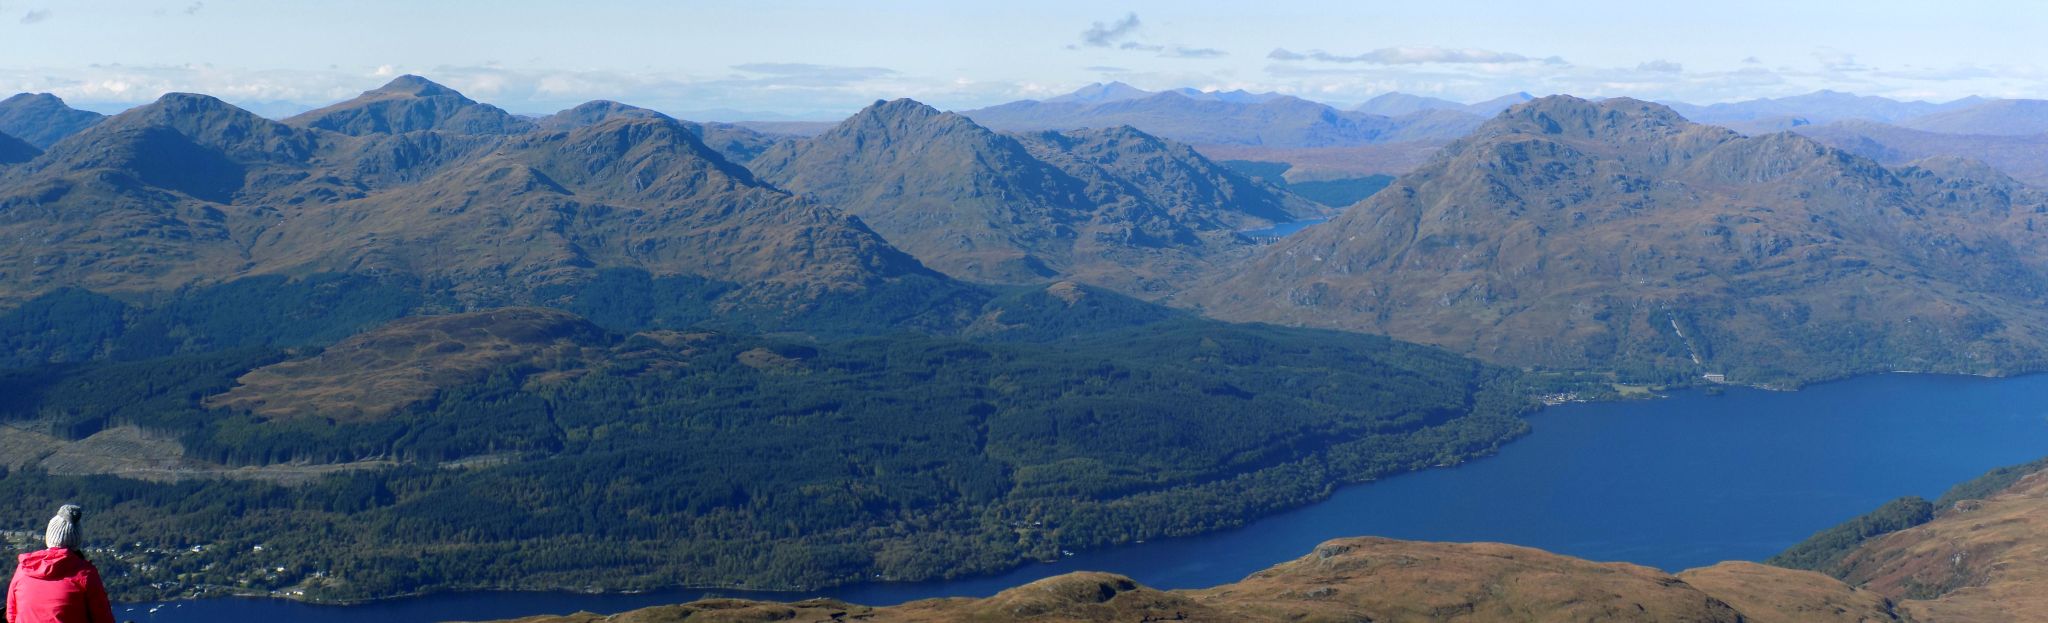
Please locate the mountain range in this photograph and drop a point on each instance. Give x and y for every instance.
(1200, 118)
(414, 182)
(1400, 104)
(1114, 207)
(1627, 235)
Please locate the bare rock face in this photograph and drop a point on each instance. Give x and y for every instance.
(1615, 234)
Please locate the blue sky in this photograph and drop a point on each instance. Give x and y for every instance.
(825, 59)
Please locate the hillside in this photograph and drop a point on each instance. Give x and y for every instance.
(42, 119)
(2020, 156)
(1629, 238)
(1978, 562)
(14, 150)
(1114, 207)
(2005, 117)
(190, 191)
(1075, 418)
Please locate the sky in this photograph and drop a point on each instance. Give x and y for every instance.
(721, 60)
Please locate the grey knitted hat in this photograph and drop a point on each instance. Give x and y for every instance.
(63, 530)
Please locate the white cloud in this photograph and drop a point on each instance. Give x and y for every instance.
(1101, 35)
(1411, 56)
(36, 16)
(1661, 65)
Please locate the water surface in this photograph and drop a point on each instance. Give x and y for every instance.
(1676, 483)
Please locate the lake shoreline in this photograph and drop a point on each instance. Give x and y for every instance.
(1552, 423)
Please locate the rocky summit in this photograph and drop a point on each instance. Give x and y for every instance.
(1625, 235)
(1114, 207)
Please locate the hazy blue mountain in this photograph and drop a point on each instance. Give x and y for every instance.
(1494, 106)
(2024, 157)
(2006, 117)
(1397, 104)
(1099, 92)
(1817, 107)
(1273, 121)
(42, 119)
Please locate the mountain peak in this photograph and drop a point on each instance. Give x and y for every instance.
(900, 107)
(1099, 92)
(1567, 115)
(42, 119)
(410, 103)
(595, 112)
(415, 86)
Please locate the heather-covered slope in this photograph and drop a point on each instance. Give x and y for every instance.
(1618, 235)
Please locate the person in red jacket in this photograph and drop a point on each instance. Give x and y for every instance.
(58, 585)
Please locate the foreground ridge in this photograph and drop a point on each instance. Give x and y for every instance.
(1977, 560)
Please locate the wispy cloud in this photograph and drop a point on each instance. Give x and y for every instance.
(36, 16)
(806, 74)
(1102, 35)
(1411, 56)
(193, 9)
(1182, 52)
(1122, 35)
(1660, 65)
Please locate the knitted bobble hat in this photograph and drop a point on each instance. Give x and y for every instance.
(63, 531)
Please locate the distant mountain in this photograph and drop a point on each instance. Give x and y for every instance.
(1989, 118)
(2025, 158)
(1397, 104)
(411, 104)
(13, 150)
(1494, 106)
(1618, 235)
(190, 190)
(1816, 107)
(1098, 92)
(1112, 207)
(736, 143)
(41, 119)
(1239, 96)
(1276, 121)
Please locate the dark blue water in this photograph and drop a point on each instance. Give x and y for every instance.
(1682, 482)
(1282, 230)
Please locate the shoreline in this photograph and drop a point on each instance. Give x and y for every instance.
(1656, 393)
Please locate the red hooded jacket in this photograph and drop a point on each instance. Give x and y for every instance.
(57, 585)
